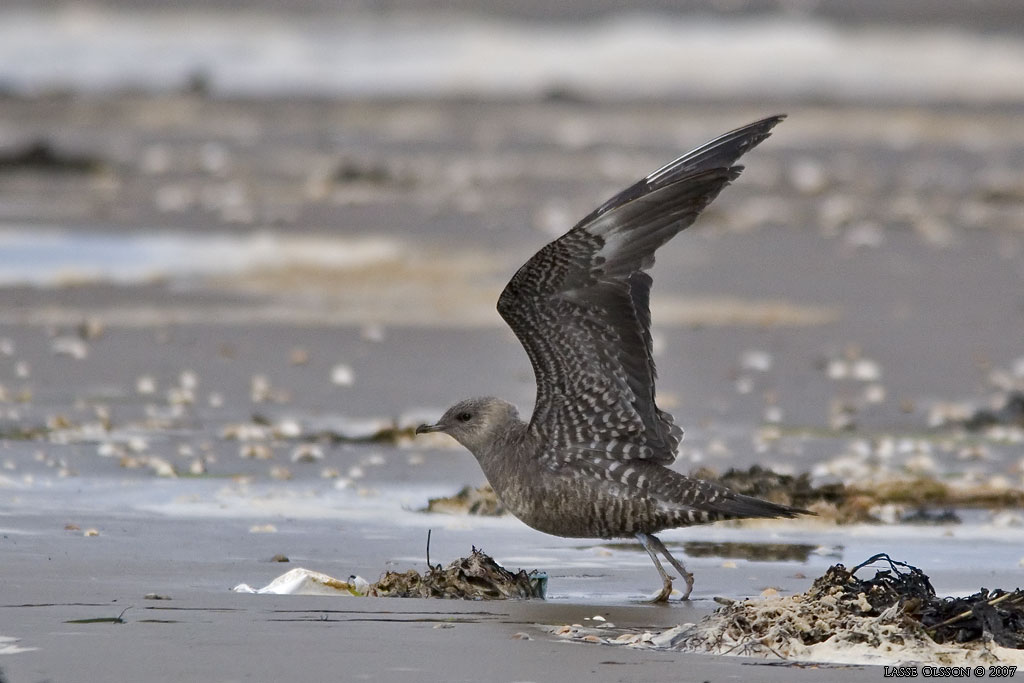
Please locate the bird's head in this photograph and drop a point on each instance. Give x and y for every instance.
(475, 422)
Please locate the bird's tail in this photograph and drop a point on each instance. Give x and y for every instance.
(736, 505)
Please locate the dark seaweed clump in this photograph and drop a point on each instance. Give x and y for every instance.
(777, 488)
(996, 614)
(41, 156)
(477, 577)
(1011, 413)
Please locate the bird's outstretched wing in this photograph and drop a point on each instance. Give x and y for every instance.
(580, 307)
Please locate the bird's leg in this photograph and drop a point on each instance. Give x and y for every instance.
(687, 576)
(647, 541)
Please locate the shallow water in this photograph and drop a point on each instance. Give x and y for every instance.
(402, 54)
(51, 257)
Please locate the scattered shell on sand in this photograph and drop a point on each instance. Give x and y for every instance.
(145, 385)
(342, 375)
(69, 346)
(280, 473)
(756, 360)
(258, 451)
(261, 391)
(307, 453)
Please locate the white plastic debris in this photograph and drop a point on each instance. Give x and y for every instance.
(300, 581)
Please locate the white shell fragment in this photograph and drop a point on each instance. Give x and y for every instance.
(342, 375)
(69, 346)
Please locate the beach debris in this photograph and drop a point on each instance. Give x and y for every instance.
(8, 646)
(301, 581)
(756, 360)
(40, 155)
(258, 451)
(342, 375)
(364, 171)
(784, 489)
(261, 391)
(851, 364)
(871, 492)
(69, 346)
(280, 473)
(893, 617)
(334, 429)
(307, 452)
(1010, 412)
(160, 466)
(299, 355)
(477, 577)
(145, 385)
(480, 501)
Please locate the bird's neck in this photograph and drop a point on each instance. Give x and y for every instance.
(501, 458)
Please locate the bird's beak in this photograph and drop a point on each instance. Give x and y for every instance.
(426, 429)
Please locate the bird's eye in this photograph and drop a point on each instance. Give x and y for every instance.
(464, 417)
